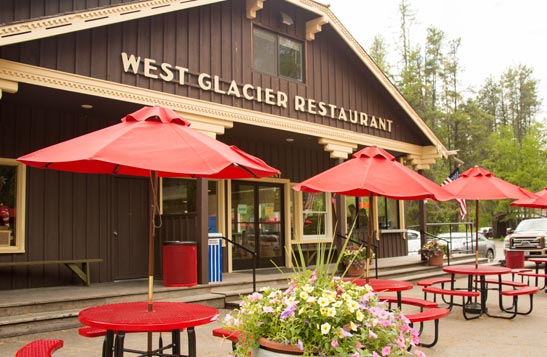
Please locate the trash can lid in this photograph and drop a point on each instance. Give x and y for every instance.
(178, 242)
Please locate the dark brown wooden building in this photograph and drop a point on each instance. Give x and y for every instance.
(283, 80)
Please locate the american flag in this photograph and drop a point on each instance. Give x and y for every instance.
(453, 176)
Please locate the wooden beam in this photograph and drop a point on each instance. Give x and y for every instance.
(314, 26)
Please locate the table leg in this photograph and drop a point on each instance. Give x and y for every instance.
(175, 341)
(484, 295)
(118, 345)
(470, 306)
(191, 342)
(399, 300)
(108, 343)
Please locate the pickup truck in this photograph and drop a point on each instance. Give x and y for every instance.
(530, 236)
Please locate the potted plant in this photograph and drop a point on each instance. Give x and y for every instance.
(434, 250)
(319, 314)
(354, 259)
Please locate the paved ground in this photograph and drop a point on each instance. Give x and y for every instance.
(524, 336)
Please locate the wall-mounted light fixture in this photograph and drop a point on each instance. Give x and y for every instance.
(286, 19)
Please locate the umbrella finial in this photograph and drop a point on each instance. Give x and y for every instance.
(156, 113)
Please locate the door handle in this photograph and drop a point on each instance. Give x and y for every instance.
(115, 234)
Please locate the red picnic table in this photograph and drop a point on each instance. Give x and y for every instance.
(172, 317)
(385, 285)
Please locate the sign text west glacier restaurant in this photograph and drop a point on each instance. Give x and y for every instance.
(172, 73)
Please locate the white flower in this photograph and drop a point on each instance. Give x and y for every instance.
(325, 328)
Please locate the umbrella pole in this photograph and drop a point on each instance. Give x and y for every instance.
(369, 236)
(476, 233)
(151, 238)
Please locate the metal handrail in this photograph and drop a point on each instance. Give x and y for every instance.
(448, 243)
(366, 245)
(253, 252)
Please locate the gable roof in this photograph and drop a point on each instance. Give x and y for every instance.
(90, 18)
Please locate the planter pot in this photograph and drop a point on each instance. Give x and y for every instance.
(356, 270)
(436, 261)
(274, 349)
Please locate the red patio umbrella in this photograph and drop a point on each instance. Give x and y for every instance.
(374, 172)
(480, 184)
(540, 201)
(153, 141)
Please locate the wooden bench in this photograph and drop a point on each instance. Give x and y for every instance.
(73, 264)
(513, 310)
(431, 314)
(227, 334)
(39, 348)
(463, 293)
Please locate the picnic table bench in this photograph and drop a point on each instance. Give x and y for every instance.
(82, 272)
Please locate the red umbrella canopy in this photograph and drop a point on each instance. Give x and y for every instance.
(540, 201)
(150, 139)
(480, 184)
(374, 171)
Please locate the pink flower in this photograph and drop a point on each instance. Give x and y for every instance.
(419, 353)
(386, 350)
(334, 343)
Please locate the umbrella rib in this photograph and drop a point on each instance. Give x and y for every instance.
(235, 164)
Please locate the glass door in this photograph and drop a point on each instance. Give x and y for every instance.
(257, 224)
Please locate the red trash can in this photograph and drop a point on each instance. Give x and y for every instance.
(180, 266)
(514, 259)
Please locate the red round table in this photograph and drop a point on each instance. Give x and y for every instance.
(384, 285)
(481, 271)
(118, 319)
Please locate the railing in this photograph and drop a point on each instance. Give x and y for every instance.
(253, 252)
(363, 243)
(448, 244)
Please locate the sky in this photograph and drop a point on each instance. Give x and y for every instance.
(495, 34)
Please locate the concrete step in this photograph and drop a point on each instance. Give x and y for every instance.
(28, 311)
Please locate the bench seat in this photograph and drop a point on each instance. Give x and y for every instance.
(409, 301)
(432, 314)
(433, 281)
(513, 309)
(465, 294)
(227, 334)
(83, 272)
(39, 348)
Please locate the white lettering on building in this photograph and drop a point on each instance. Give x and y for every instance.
(150, 68)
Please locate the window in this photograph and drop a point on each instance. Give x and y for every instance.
(388, 213)
(315, 215)
(12, 209)
(178, 196)
(277, 55)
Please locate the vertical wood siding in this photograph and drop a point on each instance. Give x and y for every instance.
(217, 39)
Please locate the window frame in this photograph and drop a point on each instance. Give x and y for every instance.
(299, 220)
(277, 44)
(20, 202)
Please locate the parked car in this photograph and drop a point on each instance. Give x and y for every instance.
(487, 231)
(413, 239)
(464, 242)
(530, 236)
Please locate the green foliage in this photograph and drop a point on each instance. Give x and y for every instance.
(495, 126)
(322, 315)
